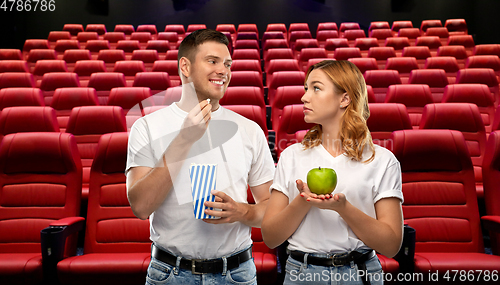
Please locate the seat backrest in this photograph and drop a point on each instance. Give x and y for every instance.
(463, 117)
(274, 43)
(480, 75)
(251, 112)
(16, 79)
(30, 44)
(285, 78)
(87, 67)
(448, 63)
(97, 45)
(111, 56)
(74, 55)
(103, 82)
(486, 49)
(74, 29)
(246, 78)
(364, 64)
(129, 67)
(99, 28)
(246, 65)
(435, 78)
(142, 37)
(58, 35)
(65, 99)
(10, 54)
(381, 34)
(36, 54)
(333, 44)
(398, 25)
(402, 64)
(349, 26)
(49, 65)
(305, 43)
(156, 81)
(114, 37)
(458, 52)
(193, 27)
(430, 24)
(463, 40)
(128, 45)
(54, 80)
(292, 121)
(147, 28)
(420, 52)
(308, 53)
(380, 80)
(491, 176)
(440, 32)
(324, 35)
(275, 65)
(327, 26)
(439, 190)
(352, 35)
(433, 42)
(40, 181)
(245, 54)
(246, 44)
(410, 33)
(379, 25)
(128, 97)
(28, 119)
(86, 36)
(484, 61)
(124, 28)
(173, 94)
(243, 95)
(160, 46)
(62, 45)
(381, 53)
(179, 29)
(13, 66)
(456, 25)
(386, 118)
(413, 96)
(496, 121)
(398, 43)
(285, 95)
(278, 53)
(344, 53)
(478, 94)
(15, 97)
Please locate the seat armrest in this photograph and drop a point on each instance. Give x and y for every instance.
(53, 243)
(491, 223)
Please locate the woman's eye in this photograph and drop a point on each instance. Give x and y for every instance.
(316, 89)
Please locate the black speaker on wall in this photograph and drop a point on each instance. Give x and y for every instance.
(98, 7)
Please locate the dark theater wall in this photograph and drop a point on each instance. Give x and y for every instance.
(480, 15)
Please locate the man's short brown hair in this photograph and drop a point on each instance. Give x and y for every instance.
(190, 43)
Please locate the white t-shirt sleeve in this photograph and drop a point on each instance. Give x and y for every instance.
(139, 151)
(281, 177)
(390, 183)
(262, 169)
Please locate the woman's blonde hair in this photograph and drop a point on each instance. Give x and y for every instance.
(354, 133)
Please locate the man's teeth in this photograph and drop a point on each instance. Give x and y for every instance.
(217, 82)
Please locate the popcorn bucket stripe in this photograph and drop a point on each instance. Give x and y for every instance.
(203, 181)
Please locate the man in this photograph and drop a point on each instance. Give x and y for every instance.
(164, 144)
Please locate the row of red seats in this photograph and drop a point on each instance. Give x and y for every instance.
(438, 185)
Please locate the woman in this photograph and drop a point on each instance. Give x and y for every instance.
(333, 236)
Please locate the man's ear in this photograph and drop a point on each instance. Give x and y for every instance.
(345, 100)
(184, 67)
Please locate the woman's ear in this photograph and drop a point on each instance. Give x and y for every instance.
(345, 100)
(184, 67)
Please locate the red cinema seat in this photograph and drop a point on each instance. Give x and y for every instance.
(99, 28)
(128, 46)
(414, 97)
(246, 78)
(246, 36)
(278, 53)
(326, 26)
(58, 35)
(160, 46)
(292, 121)
(265, 259)
(113, 38)
(482, 76)
(324, 35)
(251, 112)
(171, 68)
(332, 44)
(344, 53)
(193, 27)
(435, 78)
(440, 202)
(430, 24)
(380, 80)
(28, 119)
(462, 40)
(433, 42)
(129, 68)
(40, 182)
(16, 79)
(272, 44)
(309, 53)
(298, 27)
(381, 34)
(141, 37)
(173, 94)
(349, 26)
(247, 28)
(295, 35)
(398, 25)
(71, 56)
(88, 124)
(74, 29)
(285, 78)
(65, 99)
(364, 63)
(13, 66)
(448, 63)
(458, 52)
(285, 95)
(246, 65)
(491, 176)
(466, 118)
(364, 44)
(148, 57)
(398, 43)
(243, 95)
(313, 61)
(440, 32)
(411, 33)
(10, 54)
(421, 53)
(103, 82)
(123, 28)
(85, 68)
(243, 54)
(352, 35)
(386, 118)
(114, 239)
(110, 57)
(484, 61)
(478, 94)
(147, 28)
(456, 26)
(381, 54)
(54, 80)
(486, 49)
(496, 121)
(230, 28)
(30, 44)
(84, 37)
(276, 27)
(48, 66)
(304, 43)
(94, 46)
(267, 36)
(132, 100)
(275, 65)
(246, 44)
(179, 29)
(379, 25)
(158, 82)
(404, 65)
(62, 45)
(15, 97)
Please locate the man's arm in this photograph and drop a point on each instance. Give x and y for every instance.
(148, 187)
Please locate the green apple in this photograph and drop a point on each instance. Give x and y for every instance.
(321, 180)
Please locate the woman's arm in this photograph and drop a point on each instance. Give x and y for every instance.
(383, 234)
(283, 218)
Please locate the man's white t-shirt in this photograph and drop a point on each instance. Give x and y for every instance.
(240, 150)
(324, 231)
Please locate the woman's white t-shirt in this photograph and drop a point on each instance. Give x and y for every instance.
(324, 231)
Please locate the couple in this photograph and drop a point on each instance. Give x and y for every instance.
(364, 214)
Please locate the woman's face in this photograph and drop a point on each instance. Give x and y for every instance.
(322, 100)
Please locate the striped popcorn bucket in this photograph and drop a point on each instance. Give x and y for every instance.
(203, 180)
